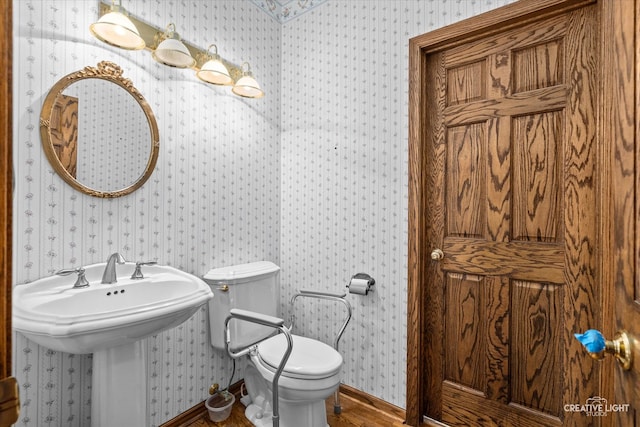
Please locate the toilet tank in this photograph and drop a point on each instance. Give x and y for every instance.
(253, 287)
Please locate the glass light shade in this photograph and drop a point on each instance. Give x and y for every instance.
(248, 87)
(117, 30)
(215, 72)
(174, 53)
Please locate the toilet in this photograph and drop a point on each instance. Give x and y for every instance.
(311, 374)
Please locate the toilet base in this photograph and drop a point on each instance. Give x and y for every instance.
(292, 414)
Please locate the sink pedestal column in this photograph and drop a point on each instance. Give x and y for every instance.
(119, 386)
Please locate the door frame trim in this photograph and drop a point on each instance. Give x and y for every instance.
(486, 24)
(621, 131)
(6, 186)
(9, 399)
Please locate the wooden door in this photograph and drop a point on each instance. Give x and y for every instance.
(621, 123)
(63, 128)
(9, 403)
(504, 162)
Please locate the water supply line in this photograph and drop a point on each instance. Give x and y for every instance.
(331, 297)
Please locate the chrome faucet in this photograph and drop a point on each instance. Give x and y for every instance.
(109, 275)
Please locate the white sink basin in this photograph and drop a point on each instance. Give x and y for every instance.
(53, 314)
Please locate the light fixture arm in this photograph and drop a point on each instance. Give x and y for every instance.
(171, 29)
(203, 57)
(212, 46)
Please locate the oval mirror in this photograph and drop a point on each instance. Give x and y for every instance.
(99, 132)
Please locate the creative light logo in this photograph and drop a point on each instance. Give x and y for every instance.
(596, 407)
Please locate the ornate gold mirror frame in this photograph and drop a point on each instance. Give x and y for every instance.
(59, 122)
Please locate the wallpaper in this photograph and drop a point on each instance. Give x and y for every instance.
(312, 177)
(213, 198)
(344, 173)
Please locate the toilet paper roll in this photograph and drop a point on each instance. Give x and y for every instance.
(359, 286)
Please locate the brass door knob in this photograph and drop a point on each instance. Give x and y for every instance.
(598, 347)
(437, 255)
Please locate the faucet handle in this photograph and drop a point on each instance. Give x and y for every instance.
(137, 273)
(81, 281)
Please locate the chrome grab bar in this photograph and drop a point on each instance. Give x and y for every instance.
(331, 297)
(265, 320)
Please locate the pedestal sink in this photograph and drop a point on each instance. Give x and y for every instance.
(109, 320)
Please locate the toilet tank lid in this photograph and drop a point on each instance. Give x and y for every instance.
(241, 271)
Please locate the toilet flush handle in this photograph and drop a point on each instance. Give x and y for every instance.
(223, 288)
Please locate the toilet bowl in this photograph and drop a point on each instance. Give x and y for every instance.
(311, 375)
(312, 372)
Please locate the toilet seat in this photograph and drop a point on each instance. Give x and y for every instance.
(309, 359)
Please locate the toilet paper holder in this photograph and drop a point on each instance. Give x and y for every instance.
(361, 284)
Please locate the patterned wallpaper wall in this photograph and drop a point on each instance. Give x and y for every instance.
(312, 177)
(213, 200)
(344, 171)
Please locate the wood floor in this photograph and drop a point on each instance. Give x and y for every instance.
(355, 413)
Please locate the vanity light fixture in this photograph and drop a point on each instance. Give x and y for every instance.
(116, 29)
(246, 85)
(167, 48)
(214, 71)
(171, 51)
